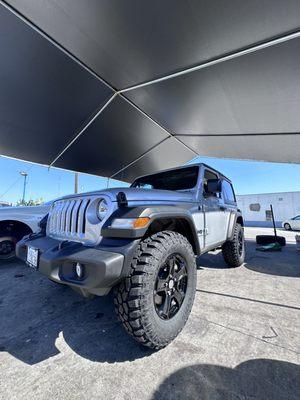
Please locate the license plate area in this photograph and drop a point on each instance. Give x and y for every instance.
(32, 257)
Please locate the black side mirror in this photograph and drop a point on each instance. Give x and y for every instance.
(213, 186)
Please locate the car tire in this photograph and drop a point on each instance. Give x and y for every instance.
(155, 300)
(234, 250)
(287, 227)
(7, 248)
(268, 239)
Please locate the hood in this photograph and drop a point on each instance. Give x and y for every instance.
(24, 209)
(134, 194)
(23, 212)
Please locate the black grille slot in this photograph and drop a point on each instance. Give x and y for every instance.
(84, 216)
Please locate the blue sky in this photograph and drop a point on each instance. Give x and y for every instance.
(247, 176)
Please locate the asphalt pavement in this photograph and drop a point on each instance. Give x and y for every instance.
(242, 340)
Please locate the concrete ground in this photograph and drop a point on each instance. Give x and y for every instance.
(242, 340)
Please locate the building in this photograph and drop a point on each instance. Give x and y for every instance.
(257, 212)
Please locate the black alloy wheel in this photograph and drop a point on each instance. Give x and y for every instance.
(241, 242)
(170, 287)
(7, 249)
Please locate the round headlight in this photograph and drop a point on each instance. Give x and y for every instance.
(102, 209)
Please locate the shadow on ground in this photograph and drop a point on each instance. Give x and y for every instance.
(38, 311)
(35, 312)
(255, 379)
(281, 263)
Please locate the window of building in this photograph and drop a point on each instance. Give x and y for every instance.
(254, 207)
(268, 215)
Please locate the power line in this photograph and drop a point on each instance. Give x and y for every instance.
(14, 183)
(10, 187)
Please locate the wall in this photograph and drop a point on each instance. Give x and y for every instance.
(285, 206)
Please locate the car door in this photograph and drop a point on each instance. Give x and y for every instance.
(296, 223)
(198, 217)
(216, 214)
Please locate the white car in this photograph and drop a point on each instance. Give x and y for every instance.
(292, 224)
(16, 222)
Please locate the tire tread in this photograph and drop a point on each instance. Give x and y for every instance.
(129, 295)
(230, 249)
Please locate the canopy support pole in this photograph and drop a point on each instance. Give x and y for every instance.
(86, 125)
(230, 56)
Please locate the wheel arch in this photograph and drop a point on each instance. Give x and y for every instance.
(235, 218)
(240, 220)
(14, 228)
(182, 224)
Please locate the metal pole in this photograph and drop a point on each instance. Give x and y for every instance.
(23, 173)
(231, 56)
(24, 188)
(273, 220)
(83, 129)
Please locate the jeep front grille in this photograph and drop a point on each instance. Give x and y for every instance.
(67, 219)
(76, 220)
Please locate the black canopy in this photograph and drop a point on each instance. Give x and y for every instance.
(122, 88)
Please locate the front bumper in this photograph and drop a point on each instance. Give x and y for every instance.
(102, 269)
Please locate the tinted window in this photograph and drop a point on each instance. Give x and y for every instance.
(228, 192)
(209, 175)
(178, 179)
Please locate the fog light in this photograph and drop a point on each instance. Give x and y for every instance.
(79, 270)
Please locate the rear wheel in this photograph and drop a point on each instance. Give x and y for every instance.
(234, 250)
(7, 248)
(287, 227)
(155, 300)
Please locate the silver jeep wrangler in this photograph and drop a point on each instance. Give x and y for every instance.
(142, 242)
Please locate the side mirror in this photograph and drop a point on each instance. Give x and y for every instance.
(213, 186)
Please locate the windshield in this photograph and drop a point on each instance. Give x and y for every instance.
(177, 179)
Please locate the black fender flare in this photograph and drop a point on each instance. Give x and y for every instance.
(235, 218)
(155, 213)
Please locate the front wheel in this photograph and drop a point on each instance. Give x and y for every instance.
(7, 248)
(234, 250)
(155, 300)
(287, 227)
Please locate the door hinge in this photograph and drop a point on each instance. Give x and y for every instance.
(202, 232)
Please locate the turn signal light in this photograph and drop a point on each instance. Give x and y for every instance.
(130, 223)
(141, 222)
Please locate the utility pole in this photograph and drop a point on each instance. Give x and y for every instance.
(25, 174)
(76, 182)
